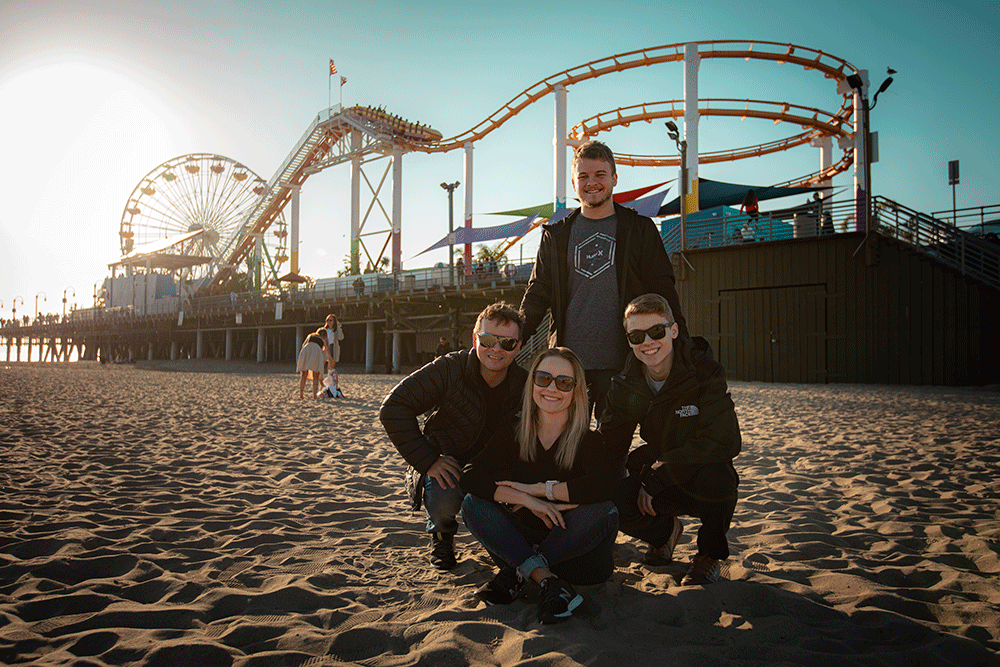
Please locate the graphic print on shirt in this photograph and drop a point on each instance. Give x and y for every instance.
(594, 255)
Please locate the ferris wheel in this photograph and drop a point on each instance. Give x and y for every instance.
(199, 192)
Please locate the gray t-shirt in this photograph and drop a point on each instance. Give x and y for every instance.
(593, 323)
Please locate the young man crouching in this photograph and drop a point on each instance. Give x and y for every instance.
(676, 393)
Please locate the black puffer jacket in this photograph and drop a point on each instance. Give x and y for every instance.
(450, 387)
(691, 421)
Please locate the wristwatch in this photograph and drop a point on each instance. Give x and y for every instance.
(548, 489)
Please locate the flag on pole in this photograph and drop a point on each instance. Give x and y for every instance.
(333, 68)
(343, 80)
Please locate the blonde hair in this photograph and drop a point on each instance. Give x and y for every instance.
(579, 418)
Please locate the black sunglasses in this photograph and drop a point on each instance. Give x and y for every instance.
(506, 342)
(656, 332)
(563, 382)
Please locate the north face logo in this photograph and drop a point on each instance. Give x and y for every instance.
(688, 411)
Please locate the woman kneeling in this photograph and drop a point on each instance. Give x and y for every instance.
(539, 500)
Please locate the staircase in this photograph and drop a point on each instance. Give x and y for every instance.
(969, 254)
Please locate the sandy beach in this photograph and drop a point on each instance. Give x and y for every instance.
(200, 514)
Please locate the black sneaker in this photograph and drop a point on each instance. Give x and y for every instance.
(558, 601)
(501, 589)
(443, 551)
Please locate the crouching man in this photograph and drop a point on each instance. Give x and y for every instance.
(676, 393)
(468, 393)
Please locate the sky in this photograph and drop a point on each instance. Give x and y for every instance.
(94, 96)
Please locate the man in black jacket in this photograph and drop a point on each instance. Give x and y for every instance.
(468, 394)
(679, 399)
(592, 263)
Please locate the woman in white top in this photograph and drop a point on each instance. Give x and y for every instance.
(334, 334)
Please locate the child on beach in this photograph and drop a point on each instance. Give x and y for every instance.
(331, 385)
(312, 355)
(540, 497)
(676, 393)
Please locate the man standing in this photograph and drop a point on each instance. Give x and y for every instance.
(592, 263)
(468, 394)
(676, 393)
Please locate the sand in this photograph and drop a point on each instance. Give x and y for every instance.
(211, 518)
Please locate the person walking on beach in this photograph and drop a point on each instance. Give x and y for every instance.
(592, 263)
(540, 496)
(469, 394)
(676, 393)
(311, 358)
(334, 334)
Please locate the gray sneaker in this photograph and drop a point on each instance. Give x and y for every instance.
(664, 555)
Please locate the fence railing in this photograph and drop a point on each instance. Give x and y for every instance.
(978, 220)
(725, 230)
(969, 254)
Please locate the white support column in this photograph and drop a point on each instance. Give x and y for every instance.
(370, 347)
(397, 211)
(692, 62)
(260, 345)
(149, 353)
(559, 149)
(199, 345)
(174, 350)
(355, 201)
(860, 155)
(229, 344)
(467, 262)
(300, 336)
(293, 245)
(825, 145)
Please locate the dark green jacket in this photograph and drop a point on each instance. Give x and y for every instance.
(691, 421)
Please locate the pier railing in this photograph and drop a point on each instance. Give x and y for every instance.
(970, 254)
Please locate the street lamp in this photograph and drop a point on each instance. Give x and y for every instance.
(856, 82)
(450, 187)
(45, 299)
(68, 289)
(13, 306)
(682, 146)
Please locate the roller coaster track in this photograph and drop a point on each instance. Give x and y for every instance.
(815, 122)
(831, 66)
(316, 145)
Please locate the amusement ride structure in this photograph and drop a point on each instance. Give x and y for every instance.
(210, 214)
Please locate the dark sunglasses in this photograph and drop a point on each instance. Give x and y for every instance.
(563, 382)
(656, 332)
(506, 343)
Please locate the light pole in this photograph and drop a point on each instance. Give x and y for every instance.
(450, 187)
(682, 146)
(45, 299)
(857, 83)
(13, 306)
(68, 289)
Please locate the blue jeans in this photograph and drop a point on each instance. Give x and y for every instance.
(441, 506)
(580, 553)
